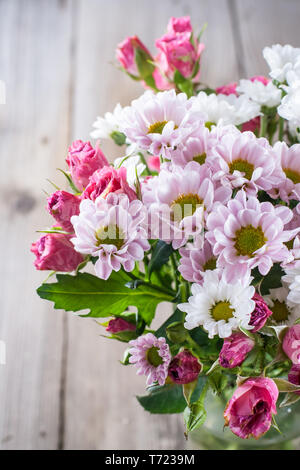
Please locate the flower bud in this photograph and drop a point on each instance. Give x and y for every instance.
(260, 314)
(249, 411)
(134, 57)
(118, 325)
(291, 344)
(108, 180)
(294, 376)
(55, 252)
(184, 368)
(83, 160)
(62, 206)
(154, 163)
(179, 25)
(234, 350)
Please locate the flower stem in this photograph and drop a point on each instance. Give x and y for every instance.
(281, 128)
(263, 126)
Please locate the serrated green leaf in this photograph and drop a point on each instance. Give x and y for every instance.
(102, 298)
(164, 400)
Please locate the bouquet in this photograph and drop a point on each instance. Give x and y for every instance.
(202, 211)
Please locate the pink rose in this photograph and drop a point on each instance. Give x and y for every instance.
(154, 163)
(291, 344)
(249, 411)
(55, 252)
(260, 314)
(108, 180)
(184, 368)
(126, 55)
(294, 376)
(118, 325)
(227, 90)
(180, 25)
(62, 206)
(83, 160)
(234, 350)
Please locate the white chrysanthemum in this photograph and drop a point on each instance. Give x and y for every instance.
(218, 306)
(265, 95)
(134, 168)
(290, 106)
(292, 279)
(225, 110)
(158, 122)
(284, 311)
(281, 59)
(107, 125)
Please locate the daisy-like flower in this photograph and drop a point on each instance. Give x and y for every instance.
(218, 306)
(106, 126)
(284, 312)
(289, 161)
(245, 161)
(224, 109)
(159, 122)
(263, 94)
(281, 59)
(113, 230)
(246, 233)
(290, 106)
(152, 357)
(178, 199)
(195, 260)
(292, 280)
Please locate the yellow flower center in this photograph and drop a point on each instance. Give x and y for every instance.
(157, 127)
(200, 158)
(222, 311)
(242, 166)
(211, 264)
(110, 235)
(209, 124)
(249, 239)
(185, 206)
(153, 357)
(292, 175)
(280, 311)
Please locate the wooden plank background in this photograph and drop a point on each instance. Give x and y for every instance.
(62, 386)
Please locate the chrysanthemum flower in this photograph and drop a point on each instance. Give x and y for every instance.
(113, 230)
(246, 233)
(158, 122)
(195, 260)
(263, 94)
(220, 307)
(289, 162)
(292, 280)
(106, 126)
(152, 357)
(281, 59)
(284, 312)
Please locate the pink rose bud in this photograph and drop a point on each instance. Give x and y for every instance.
(234, 350)
(55, 252)
(184, 368)
(180, 25)
(154, 163)
(126, 55)
(260, 78)
(118, 325)
(294, 376)
(227, 90)
(260, 314)
(291, 344)
(161, 82)
(252, 125)
(108, 180)
(83, 160)
(62, 206)
(249, 411)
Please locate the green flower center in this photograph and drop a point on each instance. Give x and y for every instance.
(200, 158)
(280, 311)
(249, 239)
(110, 235)
(209, 124)
(292, 175)
(153, 357)
(222, 311)
(157, 127)
(243, 167)
(185, 206)
(211, 264)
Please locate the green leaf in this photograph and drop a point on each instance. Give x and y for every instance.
(184, 85)
(70, 181)
(289, 399)
(161, 332)
(272, 280)
(144, 65)
(160, 256)
(102, 298)
(195, 414)
(164, 399)
(285, 386)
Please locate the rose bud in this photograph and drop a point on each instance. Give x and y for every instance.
(291, 344)
(55, 252)
(179, 25)
(249, 411)
(62, 206)
(118, 325)
(108, 180)
(83, 160)
(234, 350)
(260, 314)
(229, 89)
(184, 368)
(126, 54)
(294, 376)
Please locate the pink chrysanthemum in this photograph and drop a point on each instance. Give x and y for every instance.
(195, 260)
(152, 357)
(289, 162)
(159, 122)
(247, 162)
(113, 230)
(178, 199)
(246, 233)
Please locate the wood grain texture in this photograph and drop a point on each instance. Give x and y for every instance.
(62, 386)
